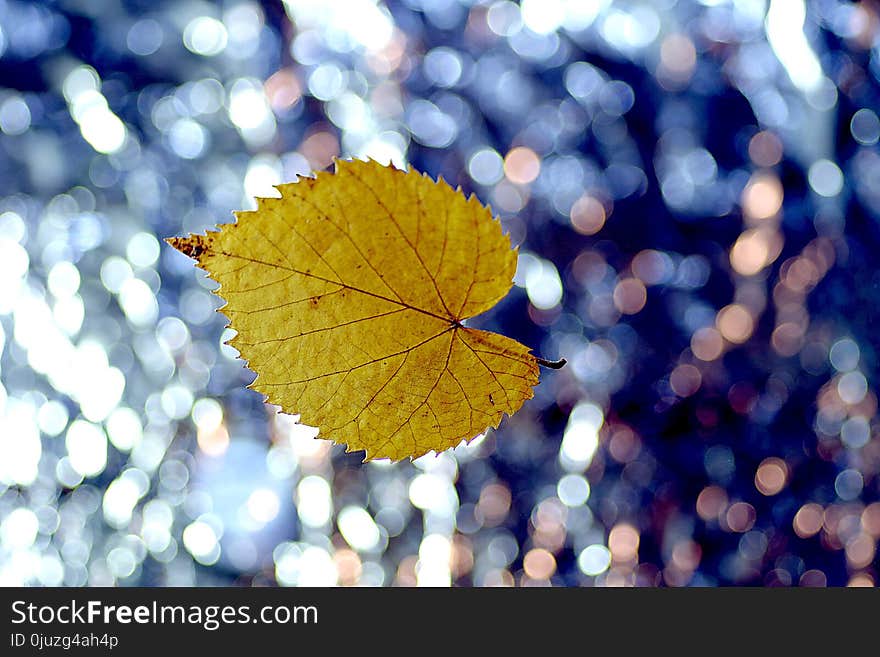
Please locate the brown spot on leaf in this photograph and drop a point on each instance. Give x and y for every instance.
(192, 246)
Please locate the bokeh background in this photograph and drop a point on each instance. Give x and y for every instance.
(695, 190)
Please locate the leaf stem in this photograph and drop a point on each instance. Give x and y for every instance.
(552, 364)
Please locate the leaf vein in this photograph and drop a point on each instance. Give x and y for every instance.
(406, 239)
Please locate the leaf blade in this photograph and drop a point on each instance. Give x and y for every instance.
(347, 295)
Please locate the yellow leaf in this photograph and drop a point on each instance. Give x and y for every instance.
(348, 295)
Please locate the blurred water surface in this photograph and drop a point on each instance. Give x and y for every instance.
(695, 191)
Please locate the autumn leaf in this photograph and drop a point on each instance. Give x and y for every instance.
(348, 295)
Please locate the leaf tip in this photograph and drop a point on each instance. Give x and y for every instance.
(192, 246)
(174, 241)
